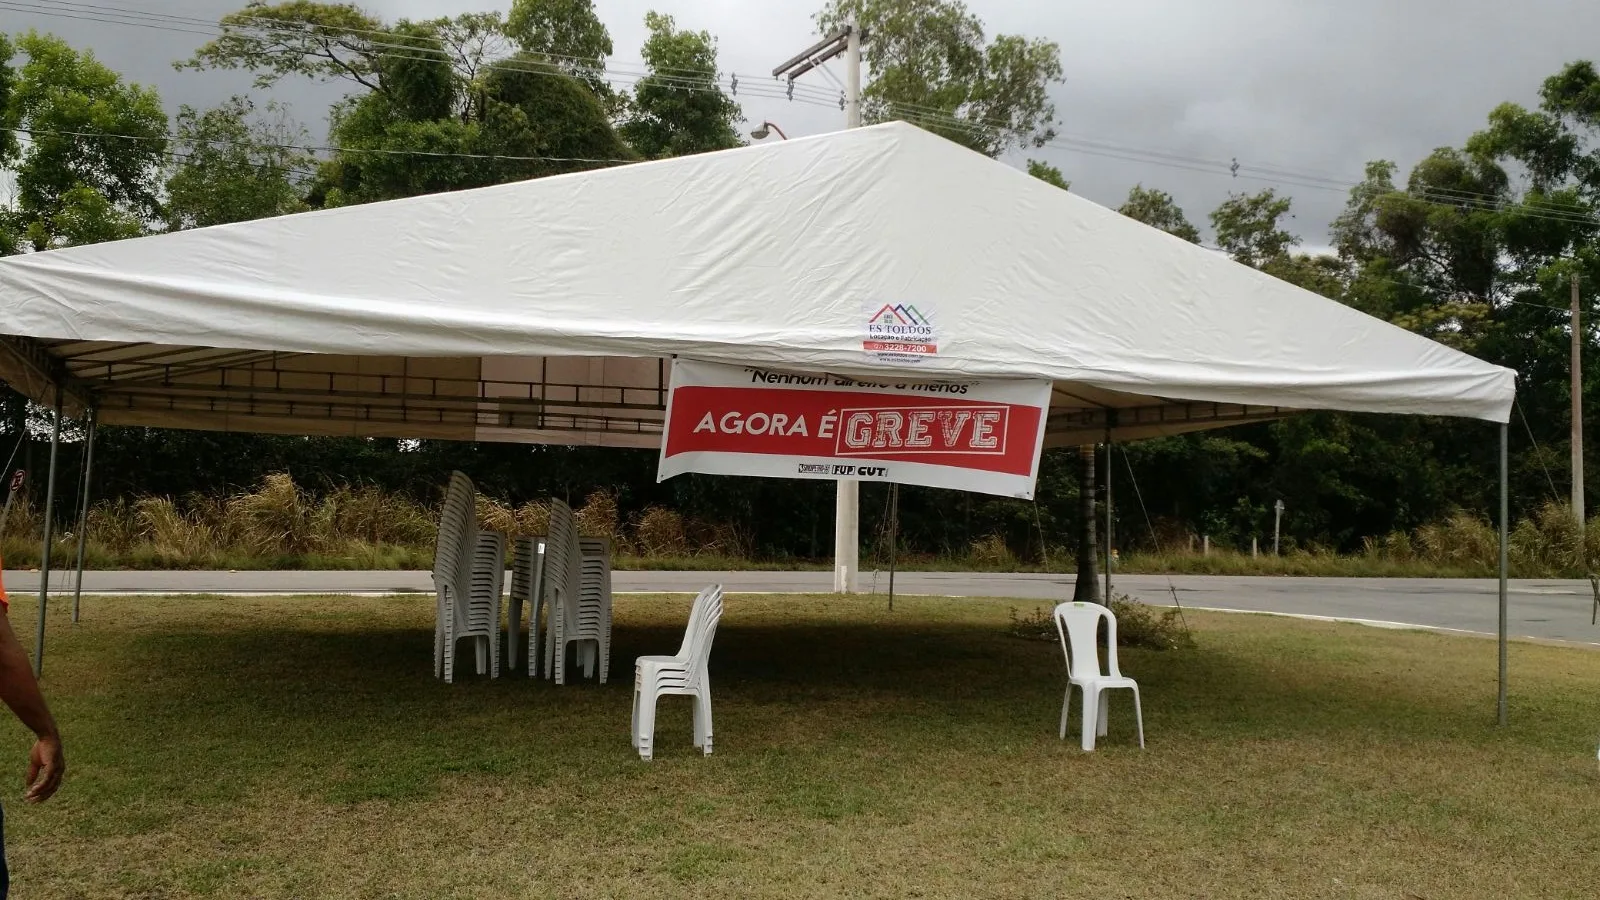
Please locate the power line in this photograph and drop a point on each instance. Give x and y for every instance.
(321, 149)
(917, 114)
(414, 52)
(1483, 202)
(702, 81)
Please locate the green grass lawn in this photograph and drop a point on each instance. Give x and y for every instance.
(300, 748)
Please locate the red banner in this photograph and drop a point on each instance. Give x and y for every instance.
(980, 436)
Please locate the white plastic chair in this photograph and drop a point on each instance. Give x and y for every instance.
(577, 582)
(1078, 624)
(594, 606)
(527, 588)
(468, 575)
(683, 674)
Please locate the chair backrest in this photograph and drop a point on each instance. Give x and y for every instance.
(697, 613)
(699, 650)
(1078, 625)
(562, 562)
(456, 527)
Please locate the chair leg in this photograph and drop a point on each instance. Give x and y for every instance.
(1138, 715)
(438, 639)
(450, 651)
(535, 647)
(702, 705)
(1104, 712)
(586, 651)
(494, 655)
(1091, 716)
(634, 725)
(513, 629)
(481, 646)
(605, 658)
(1066, 707)
(647, 724)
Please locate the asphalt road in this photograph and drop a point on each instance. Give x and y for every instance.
(1551, 610)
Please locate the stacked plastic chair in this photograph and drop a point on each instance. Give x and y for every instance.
(468, 577)
(527, 588)
(684, 673)
(594, 605)
(577, 590)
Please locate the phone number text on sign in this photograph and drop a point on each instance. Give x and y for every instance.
(980, 436)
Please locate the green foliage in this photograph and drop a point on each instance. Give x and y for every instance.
(928, 63)
(315, 40)
(677, 108)
(1157, 209)
(1138, 625)
(91, 168)
(566, 34)
(1048, 174)
(1249, 227)
(232, 166)
(439, 105)
(10, 147)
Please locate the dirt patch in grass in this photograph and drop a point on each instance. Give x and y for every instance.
(263, 747)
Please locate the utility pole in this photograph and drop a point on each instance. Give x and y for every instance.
(1577, 405)
(845, 42)
(1277, 524)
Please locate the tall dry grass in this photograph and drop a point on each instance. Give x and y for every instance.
(280, 524)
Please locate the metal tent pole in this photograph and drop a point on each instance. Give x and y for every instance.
(894, 536)
(1505, 515)
(49, 538)
(847, 499)
(83, 514)
(1109, 537)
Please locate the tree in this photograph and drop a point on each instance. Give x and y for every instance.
(10, 148)
(677, 108)
(1158, 210)
(1249, 230)
(96, 146)
(317, 40)
(928, 63)
(564, 33)
(232, 166)
(435, 106)
(1048, 174)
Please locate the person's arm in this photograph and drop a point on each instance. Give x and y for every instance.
(20, 691)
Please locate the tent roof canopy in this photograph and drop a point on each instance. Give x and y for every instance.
(548, 310)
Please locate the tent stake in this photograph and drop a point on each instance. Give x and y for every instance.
(83, 515)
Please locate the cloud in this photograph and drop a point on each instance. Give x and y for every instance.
(1305, 86)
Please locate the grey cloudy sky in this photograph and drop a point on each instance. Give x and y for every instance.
(1312, 87)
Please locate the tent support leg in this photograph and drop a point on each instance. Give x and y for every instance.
(49, 538)
(1109, 537)
(1505, 516)
(846, 536)
(894, 536)
(83, 513)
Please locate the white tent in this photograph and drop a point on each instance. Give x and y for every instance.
(773, 255)
(548, 310)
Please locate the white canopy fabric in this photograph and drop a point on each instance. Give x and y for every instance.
(545, 310)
